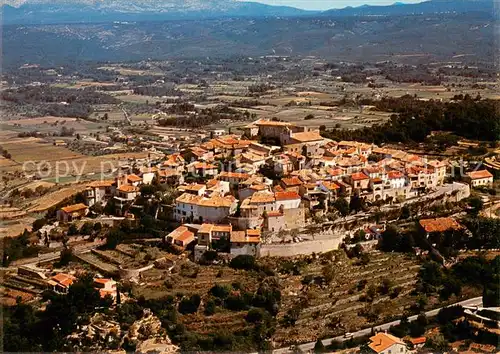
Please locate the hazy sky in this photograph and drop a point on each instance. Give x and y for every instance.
(331, 4)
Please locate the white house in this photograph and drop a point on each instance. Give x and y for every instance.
(480, 178)
(245, 243)
(385, 343)
(204, 209)
(396, 179)
(99, 192)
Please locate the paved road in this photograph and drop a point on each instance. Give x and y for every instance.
(477, 301)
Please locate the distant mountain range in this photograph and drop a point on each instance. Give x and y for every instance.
(426, 7)
(96, 11)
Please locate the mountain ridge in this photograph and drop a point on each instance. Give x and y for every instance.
(95, 11)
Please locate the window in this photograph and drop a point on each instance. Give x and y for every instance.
(401, 349)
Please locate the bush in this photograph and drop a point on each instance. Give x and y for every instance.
(256, 315)
(386, 286)
(395, 292)
(319, 347)
(86, 228)
(235, 303)
(210, 308)
(220, 291)
(189, 305)
(38, 224)
(72, 230)
(243, 262)
(448, 314)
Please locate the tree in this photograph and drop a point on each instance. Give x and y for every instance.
(220, 291)
(65, 257)
(210, 308)
(431, 273)
(189, 305)
(72, 230)
(416, 329)
(422, 319)
(390, 240)
(113, 238)
(386, 286)
(243, 262)
(319, 347)
(256, 315)
(342, 206)
(292, 315)
(328, 273)
(356, 204)
(38, 224)
(475, 205)
(448, 314)
(147, 190)
(97, 227)
(86, 228)
(491, 294)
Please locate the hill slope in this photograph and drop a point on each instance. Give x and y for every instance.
(436, 37)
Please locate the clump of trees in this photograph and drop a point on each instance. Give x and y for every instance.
(413, 120)
(59, 102)
(190, 117)
(474, 271)
(27, 330)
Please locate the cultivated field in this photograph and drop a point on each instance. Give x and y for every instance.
(50, 199)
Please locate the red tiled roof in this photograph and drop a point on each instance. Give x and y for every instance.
(440, 224)
(480, 174)
(73, 208)
(286, 195)
(243, 176)
(292, 181)
(359, 176)
(419, 340)
(134, 178)
(382, 341)
(128, 189)
(335, 172)
(395, 175)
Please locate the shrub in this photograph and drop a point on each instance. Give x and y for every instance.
(220, 291)
(210, 308)
(86, 228)
(72, 230)
(243, 262)
(235, 303)
(385, 286)
(395, 292)
(189, 305)
(319, 347)
(256, 315)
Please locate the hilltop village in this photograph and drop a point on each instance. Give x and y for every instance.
(275, 178)
(270, 204)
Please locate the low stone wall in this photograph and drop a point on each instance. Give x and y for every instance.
(301, 248)
(134, 273)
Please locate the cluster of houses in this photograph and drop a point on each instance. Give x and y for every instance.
(61, 282)
(305, 175)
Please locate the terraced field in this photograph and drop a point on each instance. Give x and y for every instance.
(338, 307)
(325, 309)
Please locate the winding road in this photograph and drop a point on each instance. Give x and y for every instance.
(477, 301)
